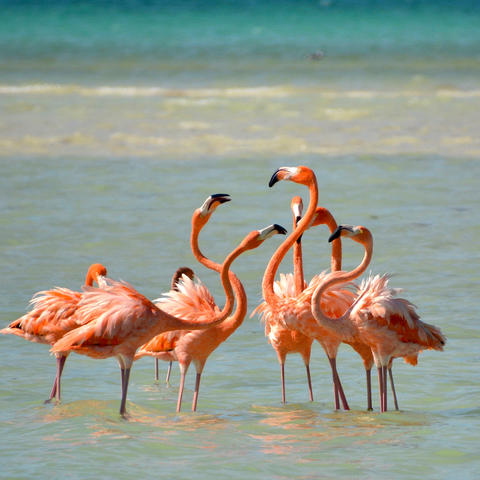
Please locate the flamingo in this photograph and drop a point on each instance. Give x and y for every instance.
(120, 319)
(52, 317)
(324, 217)
(285, 340)
(294, 312)
(389, 325)
(281, 336)
(197, 346)
(167, 353)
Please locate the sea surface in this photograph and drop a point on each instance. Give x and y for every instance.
(119, 118)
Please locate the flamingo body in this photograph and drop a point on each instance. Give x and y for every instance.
(387, 324)
(54, 315)
(121, 319)
(391, 325)
(188, 298)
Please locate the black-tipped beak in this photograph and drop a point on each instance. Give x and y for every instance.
(221, 197)
(297, 219)
(274, 178)
(280, 229)
(338, 231)
(218, 198)
(335, 234)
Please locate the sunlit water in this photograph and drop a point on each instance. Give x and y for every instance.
(107, 163)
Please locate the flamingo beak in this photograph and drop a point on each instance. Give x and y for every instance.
(297, 219)
(338, 232)
(280, 230)
(221, 197)
(211, 200)
(271, 230)
(274, 179)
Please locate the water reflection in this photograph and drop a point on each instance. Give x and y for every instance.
(295, 428)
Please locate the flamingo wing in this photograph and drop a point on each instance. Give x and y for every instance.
(378, 303)
(51, 317)
(192, 301)
(110, 316)
(165, 342)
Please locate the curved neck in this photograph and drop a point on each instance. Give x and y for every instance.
(336, 258)
(170, 322)
(342, 323)
(272, 267)
(239, 291)
(89, 279)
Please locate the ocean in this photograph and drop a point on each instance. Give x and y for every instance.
(120, 118)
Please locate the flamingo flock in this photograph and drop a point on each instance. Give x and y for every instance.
(186, 325)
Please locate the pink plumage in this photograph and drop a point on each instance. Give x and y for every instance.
(53, 316)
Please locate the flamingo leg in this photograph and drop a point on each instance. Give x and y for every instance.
(338, 385)
(60, 365)
(384, 384)
(55, 393)
(195, 394)
(167, 380)
(335, 395)
(156, 369)
(380, 387)
(282, 376)
(309, 380)
(122, 374)
(392, 385)
(369, 389)
(125, 379)
(183, 371)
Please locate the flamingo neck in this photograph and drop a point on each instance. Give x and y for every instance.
(342, 323)
(225, 278)
(241, 297)
(196, 229)
(336, 258)
(298, 267)
(272, 267)
(169, 322)
(89, 280)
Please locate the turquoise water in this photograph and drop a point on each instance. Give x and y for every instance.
(118, 121)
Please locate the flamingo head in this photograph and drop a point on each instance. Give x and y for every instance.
(212, 202)
(300, 174)
(359, 233)
(202, 214)
(96, 273)
(179, 274)
(257, 237)
(297, 208)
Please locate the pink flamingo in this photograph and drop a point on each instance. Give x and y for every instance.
(324, 217)
(295, 313)
(197, 346)
(389, 325)
(285, 340)
(279, 336)
(167, 354)
(52, 317)
(119, 319)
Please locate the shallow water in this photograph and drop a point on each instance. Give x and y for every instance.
(107, 163)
